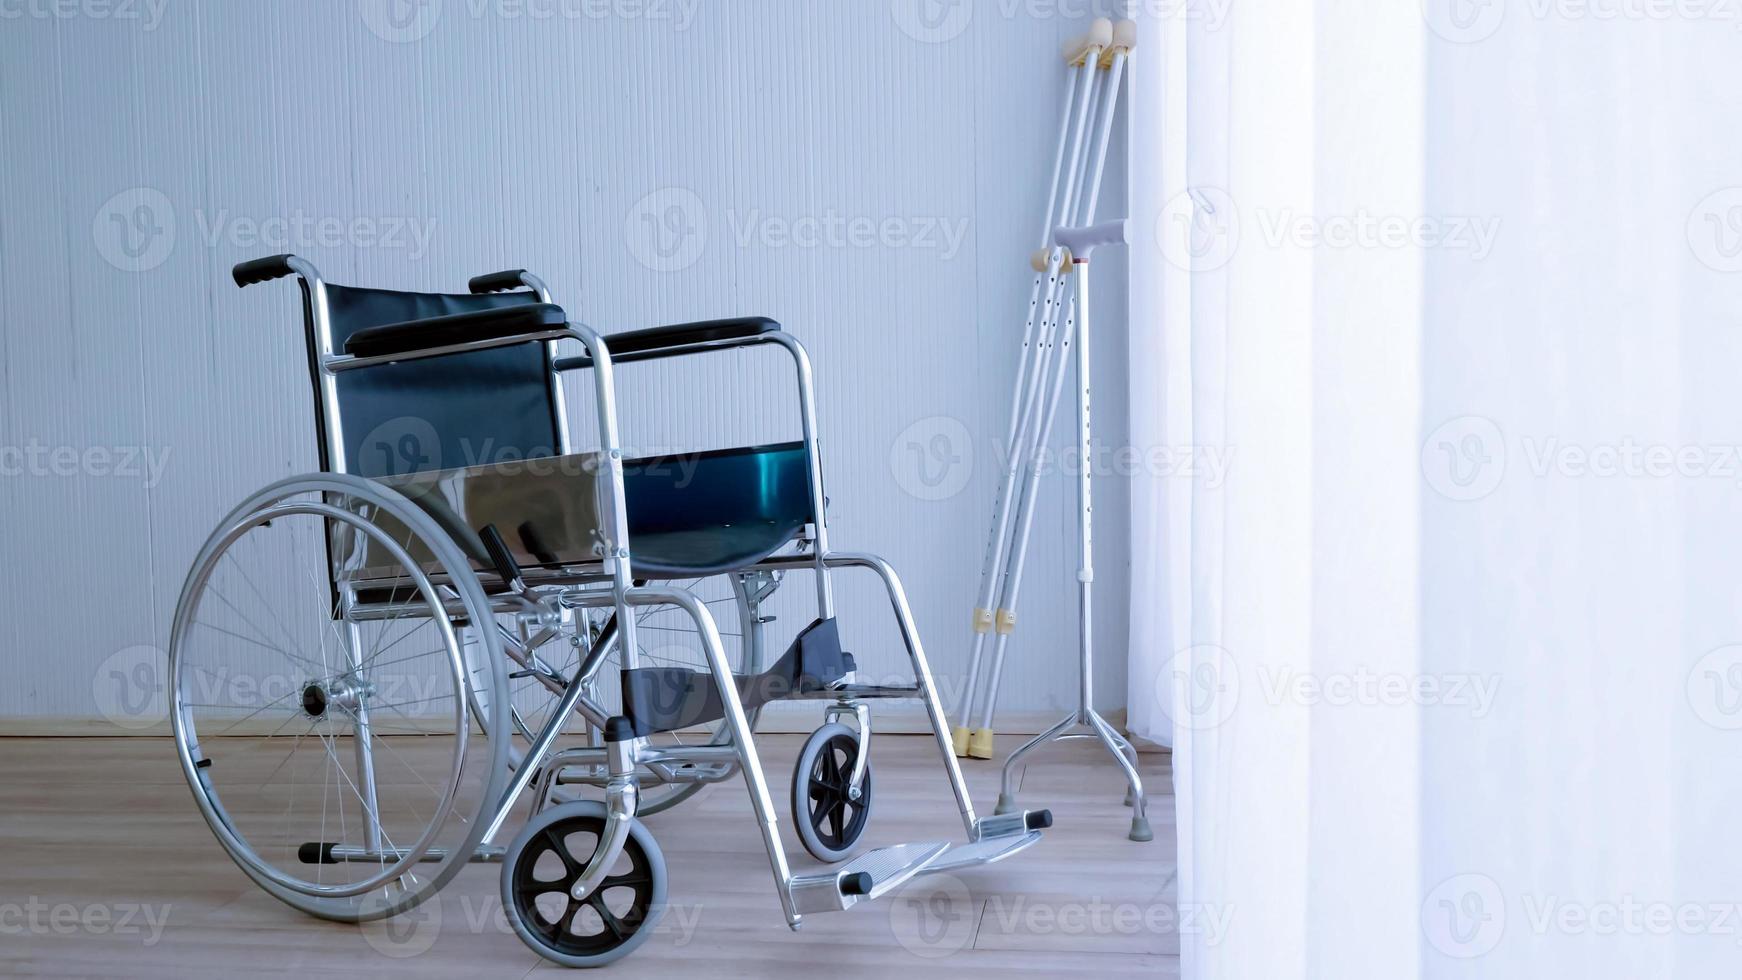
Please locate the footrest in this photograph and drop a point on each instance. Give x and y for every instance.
(1012, 824)
(867, 876)
(981, 852)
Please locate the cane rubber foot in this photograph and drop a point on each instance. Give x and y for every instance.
(1140, 831)
(980, 743)
(1006, 804)
(959, 740)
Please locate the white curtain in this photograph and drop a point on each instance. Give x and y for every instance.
(1448, 659)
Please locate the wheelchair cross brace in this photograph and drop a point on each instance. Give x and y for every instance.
(867, 877)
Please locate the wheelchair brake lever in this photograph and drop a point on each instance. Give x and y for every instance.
(502, 558)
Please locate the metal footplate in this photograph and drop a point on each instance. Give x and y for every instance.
(987, 851)
(998, 837)
(867, 876)
(1013, 824)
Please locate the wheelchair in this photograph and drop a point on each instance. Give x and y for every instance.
(461, 618)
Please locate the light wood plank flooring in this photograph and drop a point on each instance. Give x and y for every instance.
(106, 869)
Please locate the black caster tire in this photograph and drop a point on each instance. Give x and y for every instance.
(830, 823)
(607, 925)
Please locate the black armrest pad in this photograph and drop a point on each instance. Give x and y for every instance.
(458, 328)
(641, 345)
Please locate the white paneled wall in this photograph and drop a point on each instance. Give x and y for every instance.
(868, 177)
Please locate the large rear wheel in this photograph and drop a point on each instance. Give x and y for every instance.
(322, 702)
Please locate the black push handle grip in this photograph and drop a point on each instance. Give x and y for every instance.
(497, 282)
(499, 554)
(262, 270)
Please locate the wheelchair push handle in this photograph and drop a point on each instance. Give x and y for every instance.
(505, 281)
(262, 270)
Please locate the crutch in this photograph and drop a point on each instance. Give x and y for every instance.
(1082, 53)
(1084, 721)
(1008, 577)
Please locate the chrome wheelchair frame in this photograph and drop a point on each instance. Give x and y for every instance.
(540, 604)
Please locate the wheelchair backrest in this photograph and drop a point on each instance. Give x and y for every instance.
(438, 413)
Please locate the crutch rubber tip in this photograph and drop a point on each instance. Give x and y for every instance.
(980, 743)
(1006, 804)
(315, 852)
(1037, 820)
(1140, 831)
(959, 740)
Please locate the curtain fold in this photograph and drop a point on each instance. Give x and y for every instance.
(1451, 656)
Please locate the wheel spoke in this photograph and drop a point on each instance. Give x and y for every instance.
(605, 916)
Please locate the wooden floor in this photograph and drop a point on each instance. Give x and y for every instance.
(106, 869)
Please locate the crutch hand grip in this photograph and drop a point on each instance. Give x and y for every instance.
(1100, 36)
(1083, 241)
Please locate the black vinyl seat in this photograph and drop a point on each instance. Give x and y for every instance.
(698, 514)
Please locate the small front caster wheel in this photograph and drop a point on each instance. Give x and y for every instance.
(546, 860)
(830, 819)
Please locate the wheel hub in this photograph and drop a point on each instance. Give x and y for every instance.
(314, 701)
(344, 692)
